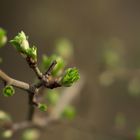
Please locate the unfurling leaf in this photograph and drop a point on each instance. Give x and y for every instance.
(71, 76)
(20, 42)
(47, 61)
(32, 52)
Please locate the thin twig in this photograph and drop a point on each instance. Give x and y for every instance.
(38, 72)
(51, 67)
(34, 66)
(13, 82)
(66, 98)
(68, 95)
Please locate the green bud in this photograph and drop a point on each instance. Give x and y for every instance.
(7, 134)
(32, 52)
(69, 113)
(59, 66)
(47, 61)
(42, 107)
(3, 37)
(8, 91)
(52, 96)
(20, 42)
(71, 76)
(31, 134)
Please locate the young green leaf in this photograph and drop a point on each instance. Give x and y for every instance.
(20, 42)
(32, 52)
(71, 76)
(47, 61)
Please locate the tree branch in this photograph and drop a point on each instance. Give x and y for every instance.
(38, 72)
(33, 65)
(13, 82)
(53, 115)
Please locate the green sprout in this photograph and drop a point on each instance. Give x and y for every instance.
(8, 91)
(3, 37)
(42, 107)
(71, 76)
(47, 61)
(20, 42)
(32, 52)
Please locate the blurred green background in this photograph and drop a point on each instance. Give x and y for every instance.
(106, 39)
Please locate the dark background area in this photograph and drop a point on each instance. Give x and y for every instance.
(86, 23)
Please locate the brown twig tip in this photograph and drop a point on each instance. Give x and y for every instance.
(48, 72)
